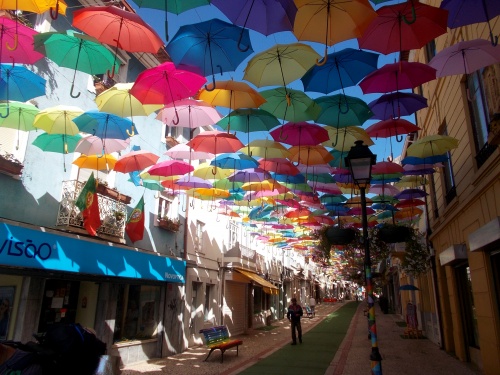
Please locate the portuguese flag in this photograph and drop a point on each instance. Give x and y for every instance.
(89, 206)
(135, 223)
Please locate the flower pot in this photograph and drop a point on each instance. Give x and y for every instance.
(169, 225)
(340, 236)
(113, 194)
(11, 167)
(393, 234)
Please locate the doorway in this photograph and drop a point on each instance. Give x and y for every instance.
(59, 303)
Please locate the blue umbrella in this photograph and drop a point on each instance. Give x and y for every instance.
(430, 160)
(342, 69)
(19, 84)
(105, 125)
(234, 160)
(297, 179)
(408, 287)
(210, 47)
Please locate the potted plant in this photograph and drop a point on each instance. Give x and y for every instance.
(10, 165)
(169, 224)
(337, 235)
(416, 256)
(119, 215)
(103, 189)
(392, 233)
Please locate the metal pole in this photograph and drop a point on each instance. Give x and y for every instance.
(375, 358)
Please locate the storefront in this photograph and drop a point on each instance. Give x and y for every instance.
(125, 294)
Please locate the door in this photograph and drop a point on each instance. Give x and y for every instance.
(234, 310)
(60, 302)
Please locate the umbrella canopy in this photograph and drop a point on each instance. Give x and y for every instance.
(135, 161)
(95, 145)
(170, 168)
(280, 64)
(35, 6)
(342, 69)
(331, 21)
(465, 57)
(232, 94)
(397, 76)
(76, 51)
(119, 101)
(21, 116)
(391, 128)
(191, 182)
(104, 125)
(265, 16)
(189, 113)
(215, 142)
(343, 139)
(266, 148)
(408, 287)
(183, 151)
(342, 110)
(403, 27)
(290, 104)
(234, 160)
(117, 27)
(12, 34)
(432, 145)
(58, 120)
(59, 143)
(213, 46)
(411, 194)
(249, 175)
(19, 83)
(300, 134)
(310, 155)
(96, 162)
(278, 165)
(165, 84)
(396, 104)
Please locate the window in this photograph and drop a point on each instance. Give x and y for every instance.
(430, 50)
(258, 299)
(208, 301)
(233, 234)
(448, 177)
(137, 312)
(198, 240)
(484, 101)
(163, 206)
(467, 306)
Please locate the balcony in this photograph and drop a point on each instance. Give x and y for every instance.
(112, 208)
(10, 166)
(169, 224)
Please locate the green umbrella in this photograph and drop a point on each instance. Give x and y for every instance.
(152, 185)
(341, 110)
(76, 51)
(21, 117)
(60, 143)
(290, 105)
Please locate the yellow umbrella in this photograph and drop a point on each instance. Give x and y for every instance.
(432, 145)
(233, 95)
(96, 162)
(411, 181)
(331, 21)
(209, 172)
(266, 148)
(208, 193)
(342, 139)
(263, 185)
(58, 120)
(35, 6)
(119, 101)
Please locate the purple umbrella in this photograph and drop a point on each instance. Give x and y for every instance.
(193, 182)
(396, 104)
(249, 175)
(467, 12)
(265, 16)
(411, 194)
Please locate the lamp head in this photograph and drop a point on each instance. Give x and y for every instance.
(359, 160)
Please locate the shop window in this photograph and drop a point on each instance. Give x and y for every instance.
(137, 312)
(484, 101)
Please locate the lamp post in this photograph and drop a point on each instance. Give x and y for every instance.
(360, 160)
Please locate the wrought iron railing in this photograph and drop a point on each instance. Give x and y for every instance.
(113, 212)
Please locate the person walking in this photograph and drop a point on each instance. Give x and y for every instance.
(312, 305)
(294, 314)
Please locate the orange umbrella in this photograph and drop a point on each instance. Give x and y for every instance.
(135, 161)
(233, 95)
(310, 155)
(96, 162)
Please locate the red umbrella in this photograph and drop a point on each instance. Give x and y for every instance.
(215, 142)
(164, 84)
(402, 27)
(170, 168)
(117, 27)
(135, 161)
(391, 128)
(300, 134)
(278, 165)
(14, 34)
(387, 167)
(397, 76)
(410, 203)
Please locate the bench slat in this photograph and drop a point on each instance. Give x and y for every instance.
(218, 338)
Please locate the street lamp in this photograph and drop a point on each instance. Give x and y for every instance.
(360, 160)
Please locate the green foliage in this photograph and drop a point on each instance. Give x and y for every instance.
(416, 257)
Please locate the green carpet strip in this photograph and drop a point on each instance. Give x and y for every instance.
(316, 352)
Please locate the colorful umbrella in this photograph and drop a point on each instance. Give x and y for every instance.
(76, 51)
(119, 101)
(280, 64)
(210, 46)
(278, 165)
(300, 134)
(411, 194)
(19, 83)
(397, 76)
(170, 168)
(232, 94)
(234, 160)
(465, 57)
(249, 175)
(191, 182)
(95, 145)
(331, 21)
(13, 33)
(165, 84)
(343, 139)
(21, 116)
(289, 104)
(135, 161)
(266, 148)
(403, 27)
(117, 27)
(215, 142)
(342, 69)
(183, 151)
(397, 104)
(391, 128)
(104, 162)
(171, 6)
(342, 110)
(432, 145)
(464, 12)
(189, 113)
(36, 6)
(58, 120)
(310, 155)
(206, 171)
(104, 125)
(59, 143)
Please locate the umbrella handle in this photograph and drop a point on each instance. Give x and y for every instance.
(213, 84)
(8, 112)
(413, 15)
(112, 74)
(15, 43)
(176, 120)
(52, 15)
(239, 42)
(71, 92)
(399, 138)
(281, 135)
(132, 133)
(323, 60)
(494, 39)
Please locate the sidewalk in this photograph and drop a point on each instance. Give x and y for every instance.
(400, 356)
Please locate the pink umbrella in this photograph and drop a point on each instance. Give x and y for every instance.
(170, 168)
(165, 84)
(135, 161)
(324, 187)
(300, 134)
(383, 189)
(93, 145)
(13, 34)
(391, 128)
(387, 167)
(189, 113)
(183, 151)
(397, 76)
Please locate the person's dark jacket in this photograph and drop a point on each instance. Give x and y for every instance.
(294, 312)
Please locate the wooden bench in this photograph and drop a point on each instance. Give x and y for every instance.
(218, 338)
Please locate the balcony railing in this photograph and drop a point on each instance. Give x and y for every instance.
(113, 212)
